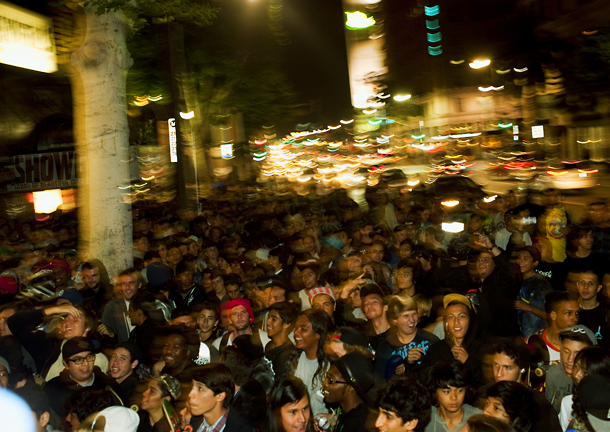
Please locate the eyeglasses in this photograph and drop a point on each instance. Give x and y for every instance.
(79, 360)
(332, 381)
(484, 260)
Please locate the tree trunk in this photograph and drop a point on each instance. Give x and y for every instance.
(102, 139)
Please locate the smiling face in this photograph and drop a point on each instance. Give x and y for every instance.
(457, 321)
(295, 416)
(121, 365)
(526, 263)
(451, 399)
(73, 326)
(275, 324)
(92, 277)
(333, 386)
(376, 253)
(81, 373)
(175, 352)
(406, 323)
(128, 285)
(310, 278)
(304, 337)
(388, 421)
(485, 264)
(207, 321)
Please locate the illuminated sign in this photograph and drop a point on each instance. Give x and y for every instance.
(537, 131)
(26, 39)
(46, 171)
(226, 151)
(173, 141)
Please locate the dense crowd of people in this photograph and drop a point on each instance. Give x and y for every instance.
(301, 312)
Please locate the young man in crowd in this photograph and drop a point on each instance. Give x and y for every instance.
(592, 312)
(280, 324)
(115, 317)
(124, 360)
(398, 413)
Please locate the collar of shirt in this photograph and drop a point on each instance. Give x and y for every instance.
(216, 427)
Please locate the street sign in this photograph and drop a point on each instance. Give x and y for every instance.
(173, 142)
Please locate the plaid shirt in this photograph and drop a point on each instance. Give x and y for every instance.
(216, 427)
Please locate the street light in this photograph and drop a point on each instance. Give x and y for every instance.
(478, 64)
(402, 98)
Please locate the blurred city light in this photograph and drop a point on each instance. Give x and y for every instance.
(47, 201)
(478, 64)
(188, 115)
(402, 98)
(358, 20)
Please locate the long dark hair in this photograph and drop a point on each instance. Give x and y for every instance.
(322, 324)
(289, 390)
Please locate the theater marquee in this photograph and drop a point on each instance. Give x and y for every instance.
(26, 39)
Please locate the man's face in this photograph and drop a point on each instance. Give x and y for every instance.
(142, 245)
(588, 286)
(525, 262)
(4, 315)
(304, 336)
(275, 324)
(354, 263)
(92, 278)
(212, 253)
(495, 408)
(276, 295)
(81, 373)
(121, 365)
(218, 285)
(207, 321)
(61, 276)
(324, 302)
(485, 265)
(405, 251)
(598, 213)
(186, 278)
(128, 285)
(233, 291)
(400, 236)
(552, 199)
(309, 244)
(406, 323)
(373, 307)
(451, 398)
(240, 318)
(569, 349)
(202, 400)
(566, 315)
(334, 386)
(73, 326)
(505, 368)
(310, 278)
(457, 321)
(174, 255)
(175, 351)
(586, 241)
(389, 421)
(404, 278)
(376, 252)
(186, 320)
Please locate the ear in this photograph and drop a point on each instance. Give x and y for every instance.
(87, 329)
(43, 420)
(135, 364)
(599, 288)
(411, 425)
(220, 397)
(553, 315)
(536, 263)
(65, 364)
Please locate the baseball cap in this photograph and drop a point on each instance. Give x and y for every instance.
(579, 329)
(594, 394)
(72, 295)
(458, 298)
(116, 419)
(75, 346)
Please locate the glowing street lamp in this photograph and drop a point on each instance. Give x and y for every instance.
(358, 21)
(478, 64)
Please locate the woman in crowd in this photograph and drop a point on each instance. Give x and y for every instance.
(152, 416)
(290, 408)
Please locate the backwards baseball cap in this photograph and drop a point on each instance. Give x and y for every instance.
(577, 330)
(116, 419)
(241, 302)
(320, 290)
(72, 295)
(75, 346)
(357, 371)
(594, 394)
(458, 298)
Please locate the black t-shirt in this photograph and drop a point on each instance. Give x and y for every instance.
(596, 320)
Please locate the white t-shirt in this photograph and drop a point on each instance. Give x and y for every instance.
(565, 413)
(262, 333)
(306, 370)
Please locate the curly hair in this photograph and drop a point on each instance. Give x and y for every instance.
(451, 373)
(86, 401)
(416, 406)
(518, 402)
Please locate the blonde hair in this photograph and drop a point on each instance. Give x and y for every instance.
(399, 304)
(424, 304)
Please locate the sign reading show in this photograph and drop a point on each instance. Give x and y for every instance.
(45, 171)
